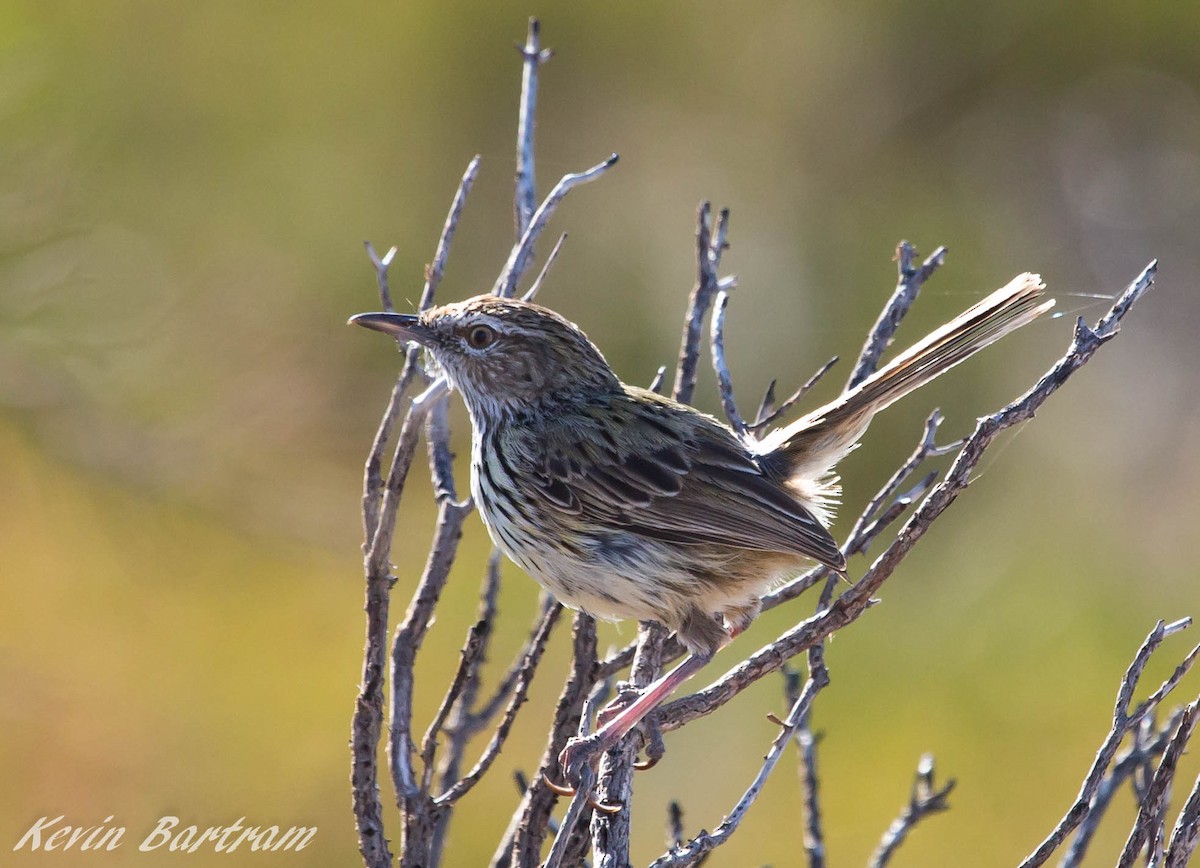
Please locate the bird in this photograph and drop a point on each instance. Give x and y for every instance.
(627, 504)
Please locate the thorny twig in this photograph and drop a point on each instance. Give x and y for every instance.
(925, 799)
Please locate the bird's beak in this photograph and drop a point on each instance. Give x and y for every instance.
(401, 326)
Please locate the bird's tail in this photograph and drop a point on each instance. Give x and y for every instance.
(807, 449)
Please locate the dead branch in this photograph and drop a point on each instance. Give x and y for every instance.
(925, 799)
(1123, 722)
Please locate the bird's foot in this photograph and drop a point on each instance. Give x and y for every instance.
(578, 762)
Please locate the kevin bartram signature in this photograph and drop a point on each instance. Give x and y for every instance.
(168, 835)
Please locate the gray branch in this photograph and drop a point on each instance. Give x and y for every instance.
(1186, 834)
(1149, 829)
(525, 197)
(709, 248)
(724, 378)
(522, 252)
(522, 844)
(925, 799)
(528, 667)
(1149, 742)
(908, 286)
(691, 852)
(1123, 722)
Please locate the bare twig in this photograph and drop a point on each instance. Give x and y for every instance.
(657, 383)
(1186, 834)
(382, 264)
(724, 379)
(814, 840)
(537, 283)
(485, 712)
(467, 658)
(411, 632)
(1149, 827)
(437, 268)
(522, 252)
(709, 247)
(614, 785)
(924, 800)
(525, 198)
(529, 666)
(581, 801)
(1149, 741)
(674, 824)
(1123, 721)
(462, 724)
(689, 854)
(768, 413)
(908, 286)
(870, 526)
(415, 806)
(522, 843)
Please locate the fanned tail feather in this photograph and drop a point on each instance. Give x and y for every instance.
(806, 450)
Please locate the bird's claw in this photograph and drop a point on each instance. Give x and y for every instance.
(594, 800)
(562, 789)
(576, 760)
(581, 753)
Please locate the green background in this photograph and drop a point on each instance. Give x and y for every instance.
(185, 189)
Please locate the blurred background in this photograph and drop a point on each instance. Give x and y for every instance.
(184, 415)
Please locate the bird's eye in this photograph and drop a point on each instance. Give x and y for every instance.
(481, 336)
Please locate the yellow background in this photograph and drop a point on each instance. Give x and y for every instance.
(183, 415)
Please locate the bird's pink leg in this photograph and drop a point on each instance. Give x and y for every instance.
(580, 751)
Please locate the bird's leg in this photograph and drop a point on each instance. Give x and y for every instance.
(580, 751)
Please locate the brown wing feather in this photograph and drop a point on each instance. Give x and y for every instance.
(671, 473)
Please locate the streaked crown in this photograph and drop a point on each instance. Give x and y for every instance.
(504, 354)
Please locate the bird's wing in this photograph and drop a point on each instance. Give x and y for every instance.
(670, 473)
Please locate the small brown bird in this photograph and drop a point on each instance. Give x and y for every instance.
(627, 504)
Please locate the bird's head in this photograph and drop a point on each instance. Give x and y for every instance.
(501, 353)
